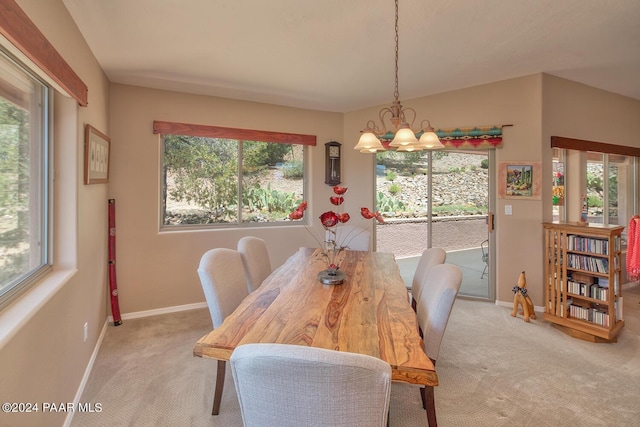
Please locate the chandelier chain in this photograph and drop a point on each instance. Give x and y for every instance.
(396, 93)
(405, 138)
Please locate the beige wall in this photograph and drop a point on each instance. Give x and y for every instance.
(538, 106)
(577, 111)
(158, 269)
(43, 358)
(516, 102)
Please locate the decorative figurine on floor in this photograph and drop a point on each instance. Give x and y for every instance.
(521, 298)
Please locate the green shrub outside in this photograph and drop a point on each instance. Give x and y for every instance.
(293, 170)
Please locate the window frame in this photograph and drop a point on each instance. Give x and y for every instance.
(606, 149)
(607, 160)
(44, 164)
(163, 128)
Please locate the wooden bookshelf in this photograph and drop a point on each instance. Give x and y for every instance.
(583, 271)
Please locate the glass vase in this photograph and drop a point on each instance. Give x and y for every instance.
(332, 275)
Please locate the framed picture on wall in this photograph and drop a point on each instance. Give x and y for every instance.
(97, 147)
(520, 180)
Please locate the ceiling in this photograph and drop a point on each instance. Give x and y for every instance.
(338, 55)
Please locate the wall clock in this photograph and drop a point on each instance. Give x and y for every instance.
(332, 163)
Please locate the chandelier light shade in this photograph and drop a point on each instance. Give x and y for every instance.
(404, 137)
(400, 132)
(429, 140)
(368, 143)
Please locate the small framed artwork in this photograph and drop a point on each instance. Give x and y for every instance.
(97, 147)
(520, 180)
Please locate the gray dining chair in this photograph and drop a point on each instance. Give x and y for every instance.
(255, 258)
(353, 237)
(224, 284)
(429, 258)
(291, 385)
(433, 310)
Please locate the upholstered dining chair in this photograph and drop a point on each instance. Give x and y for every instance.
(224, 284)
(255, 258)
(353, 237)
(291, 385)
(433, 310)
(429, 258)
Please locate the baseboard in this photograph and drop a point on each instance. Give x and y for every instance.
(157, 311)
(87, 373)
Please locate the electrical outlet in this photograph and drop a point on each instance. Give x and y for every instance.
(86, 331)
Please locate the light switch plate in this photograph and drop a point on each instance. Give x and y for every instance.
(508, 210)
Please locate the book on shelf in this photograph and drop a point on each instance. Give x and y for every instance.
(590, 289)
(597, 292)
(590, 314)
(563, 310)
(588, 244)
(587, 263)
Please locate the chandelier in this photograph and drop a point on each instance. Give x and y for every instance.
(400, 132)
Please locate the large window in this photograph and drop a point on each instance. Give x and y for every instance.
(226, 181)
(610, 189)
(610, 179)
(24, 178)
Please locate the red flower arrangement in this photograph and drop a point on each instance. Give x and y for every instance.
(330, 220)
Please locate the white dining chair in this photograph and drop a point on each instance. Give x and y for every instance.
(353, 237)
(433, 310)
(429, 258)
(289, 385)
(255, 258)
(224, 284)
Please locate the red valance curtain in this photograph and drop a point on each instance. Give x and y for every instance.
(164, 127)
(20, 31)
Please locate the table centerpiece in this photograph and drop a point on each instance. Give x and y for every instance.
(331, 248)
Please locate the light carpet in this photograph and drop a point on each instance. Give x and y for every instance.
(494, 370)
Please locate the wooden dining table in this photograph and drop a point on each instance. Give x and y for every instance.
(369, 314)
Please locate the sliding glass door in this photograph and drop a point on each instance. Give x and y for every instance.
(437, 199)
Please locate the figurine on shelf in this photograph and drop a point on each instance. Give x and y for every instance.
(521, 298)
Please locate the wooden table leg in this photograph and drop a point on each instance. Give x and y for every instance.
(429, 399)
(217, 397)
